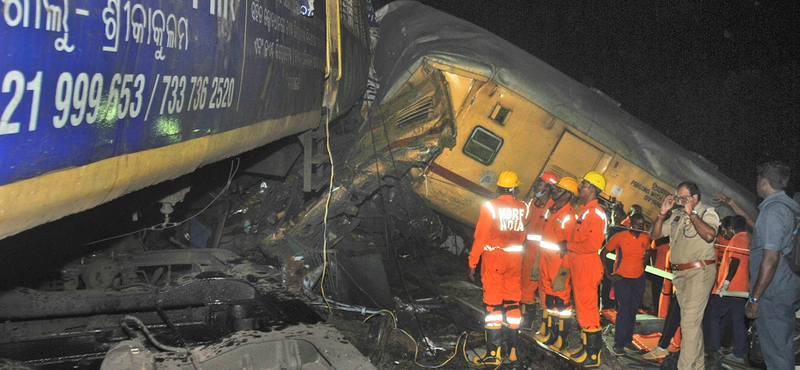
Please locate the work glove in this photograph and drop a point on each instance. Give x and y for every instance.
(560, 281)
(724, 288)
(562, 248)
(535, 268)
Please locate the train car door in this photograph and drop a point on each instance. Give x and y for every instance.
(574, 156)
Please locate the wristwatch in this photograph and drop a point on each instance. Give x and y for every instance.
(753, 300)
(694, 212)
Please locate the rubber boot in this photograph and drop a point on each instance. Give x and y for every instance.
(492, 355)
(541, 335)
(562, 344)
(560, 337)
(578, 353)
(513, 335)
(594, 346)
(554, 333)
(527, 316)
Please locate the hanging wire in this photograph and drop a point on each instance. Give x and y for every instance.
(416, 244)
(168, 225)
(327, 202)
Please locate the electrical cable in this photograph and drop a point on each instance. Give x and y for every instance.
(387, 237)
(416, 344)
(327, 203)
(416, 243)
(168, 225)
(186, 351)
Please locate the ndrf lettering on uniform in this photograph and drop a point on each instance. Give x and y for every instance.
(511, 219)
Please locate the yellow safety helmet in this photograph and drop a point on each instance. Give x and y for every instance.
(508, 179)
(596, 179)
(569, 184)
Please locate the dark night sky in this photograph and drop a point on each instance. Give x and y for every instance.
(720, 78)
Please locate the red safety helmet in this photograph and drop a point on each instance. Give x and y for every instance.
(549, 177)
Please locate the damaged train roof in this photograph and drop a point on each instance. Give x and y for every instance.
(412, 33)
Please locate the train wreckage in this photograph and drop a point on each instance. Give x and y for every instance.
(350, 259)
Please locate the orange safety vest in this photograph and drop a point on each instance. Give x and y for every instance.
(738, 247)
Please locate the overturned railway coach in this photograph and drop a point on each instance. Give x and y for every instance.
(101, 98)
(513, 111)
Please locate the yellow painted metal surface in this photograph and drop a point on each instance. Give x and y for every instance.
(632, 186)
(528, 137)
(533, 141)
(29, 203)
(575, 156)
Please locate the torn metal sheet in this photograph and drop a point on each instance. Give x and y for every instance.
(217, 294)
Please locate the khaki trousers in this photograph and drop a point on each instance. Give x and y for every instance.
(693, 288)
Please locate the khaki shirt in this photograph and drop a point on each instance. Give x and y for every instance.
(685, 244)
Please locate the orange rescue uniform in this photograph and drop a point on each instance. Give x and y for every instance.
(534, 229)
(499, 236)
(557, 227)
(584, 261)
(738, 247)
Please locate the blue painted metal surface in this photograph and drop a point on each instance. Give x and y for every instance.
(85, 80)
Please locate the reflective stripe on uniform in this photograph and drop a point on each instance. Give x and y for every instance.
(493, 320)
(599, 213)
(491, 209)
(603, 216)
(513, 248)
(566, 219)
(534, 237)
(550, 246)
(514, 320)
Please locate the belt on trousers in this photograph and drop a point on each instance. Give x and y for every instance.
(513, 248)
(691, 265)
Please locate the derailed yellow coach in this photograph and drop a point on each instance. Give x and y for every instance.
(510, 110)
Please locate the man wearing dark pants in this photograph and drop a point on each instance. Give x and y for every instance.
(632, 248)
(774, 288)
(732, 278)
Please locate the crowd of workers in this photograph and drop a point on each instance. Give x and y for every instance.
(544, 250)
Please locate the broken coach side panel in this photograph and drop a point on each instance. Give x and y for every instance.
(512, 111)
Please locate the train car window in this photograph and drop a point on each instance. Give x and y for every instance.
(500, 114)
(483, 145)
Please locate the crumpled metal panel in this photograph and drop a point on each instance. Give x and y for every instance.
(412, 33)
(392, 142)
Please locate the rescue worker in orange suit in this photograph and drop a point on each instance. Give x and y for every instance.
(583, 246)
(553, 278)
(499, 236)
(733, 276)
(632, 248)
(543, 188)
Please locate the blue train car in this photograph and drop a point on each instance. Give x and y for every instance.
(100, 98)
